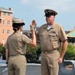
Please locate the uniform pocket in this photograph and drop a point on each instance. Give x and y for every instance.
(54, 40)
(53, 37)
(55, 44)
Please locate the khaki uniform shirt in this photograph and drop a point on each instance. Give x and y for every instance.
(16, 43)
(50, 39)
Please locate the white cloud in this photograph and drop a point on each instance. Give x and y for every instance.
(60, 5)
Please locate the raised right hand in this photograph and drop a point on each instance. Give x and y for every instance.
(33, 25)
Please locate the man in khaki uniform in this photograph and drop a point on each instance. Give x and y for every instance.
(15, 48)
(51, 35)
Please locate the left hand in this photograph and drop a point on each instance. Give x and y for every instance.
(60, 60)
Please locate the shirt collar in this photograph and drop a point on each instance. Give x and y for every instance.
(52, 26)
(17, 32)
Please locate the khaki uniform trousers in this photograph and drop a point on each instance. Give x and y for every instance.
(17, 65)
(49, 63)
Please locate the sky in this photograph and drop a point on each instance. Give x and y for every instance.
(29, 10)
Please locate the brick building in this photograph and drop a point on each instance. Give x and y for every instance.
(6, 16)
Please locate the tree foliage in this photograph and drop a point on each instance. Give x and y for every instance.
(1, 48)
(32, 54)
(70, 53)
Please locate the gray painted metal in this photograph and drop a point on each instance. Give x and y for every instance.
(66, 68)
(2, 65)
(32, 69)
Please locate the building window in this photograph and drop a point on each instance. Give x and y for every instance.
(8, 22)
(8, 31)
(8, 14)
(3, 21)
(0, 20)
(3, 31)
(4, 13)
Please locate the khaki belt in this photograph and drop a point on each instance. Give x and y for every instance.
(47, 52)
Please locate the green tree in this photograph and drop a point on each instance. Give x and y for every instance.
(2, 51)
(31, 54)
(70, 53)
(1, 48)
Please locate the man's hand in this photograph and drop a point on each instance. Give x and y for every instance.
(60, 60)
(64, 48)
(33, 25)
